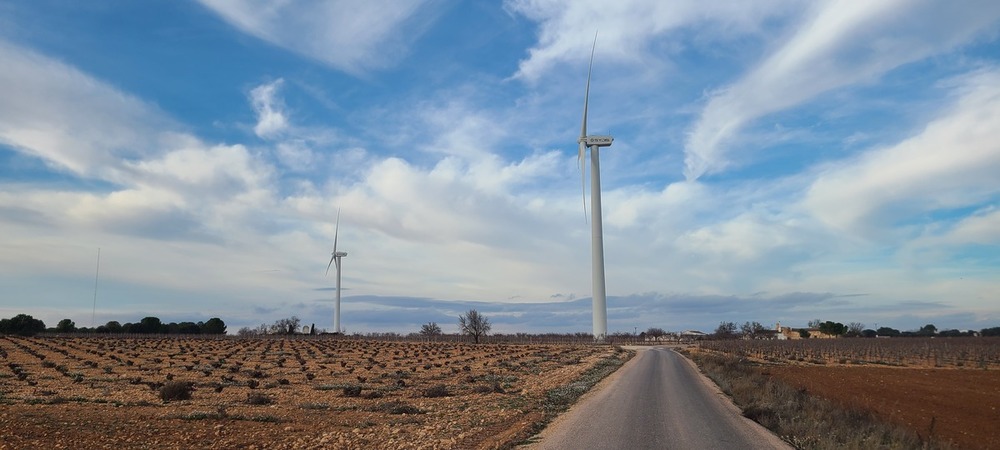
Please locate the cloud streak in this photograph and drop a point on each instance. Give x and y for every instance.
(354, 36)
(841, 44)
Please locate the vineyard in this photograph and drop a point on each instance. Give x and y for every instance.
(945, 389)
(979, 353)
(295, 392)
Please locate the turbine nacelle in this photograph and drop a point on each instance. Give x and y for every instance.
(339, 254)
(600, 141)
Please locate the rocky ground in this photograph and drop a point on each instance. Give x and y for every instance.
(277, 393)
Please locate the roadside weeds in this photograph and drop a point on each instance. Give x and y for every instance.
(802, 420)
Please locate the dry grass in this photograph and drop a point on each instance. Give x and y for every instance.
(805, 421)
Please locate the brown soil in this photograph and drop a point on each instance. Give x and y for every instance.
(957, 406)
(102, 393)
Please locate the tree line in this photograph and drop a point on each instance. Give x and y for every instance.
(26, 325)
(754, 330)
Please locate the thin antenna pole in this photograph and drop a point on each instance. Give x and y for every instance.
(97, 276)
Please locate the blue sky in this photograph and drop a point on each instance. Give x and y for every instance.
(774, 160)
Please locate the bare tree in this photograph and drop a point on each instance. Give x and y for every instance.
(474, 324)
(655, 333)
(430, 329)
(726, 330)
(855, 328)
(286, 326)
(751, 330)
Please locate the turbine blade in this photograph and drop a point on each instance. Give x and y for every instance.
(586, 95)
(336, 232)
(330, 264)
(583, 177)
(581, 156)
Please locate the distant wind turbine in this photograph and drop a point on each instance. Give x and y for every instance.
(97, 276)
(335, 258)
(595, 142)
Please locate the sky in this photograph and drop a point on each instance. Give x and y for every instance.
(773, 161)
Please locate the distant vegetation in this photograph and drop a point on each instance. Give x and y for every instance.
(477, 326)
(430, 329)
(25, 325)
(474, 324)
(815, 328)
(21, 324)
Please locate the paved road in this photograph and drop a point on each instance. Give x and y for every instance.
(656, 401)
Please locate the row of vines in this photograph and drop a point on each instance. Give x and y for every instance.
(978, 353)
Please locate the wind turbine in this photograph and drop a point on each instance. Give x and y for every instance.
(97, 276)
(594, 142)
(335, 258)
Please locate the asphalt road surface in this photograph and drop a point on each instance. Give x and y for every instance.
(658, 400)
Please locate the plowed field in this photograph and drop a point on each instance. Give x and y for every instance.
(957, 405)
(276, 393)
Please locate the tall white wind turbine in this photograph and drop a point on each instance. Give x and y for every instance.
(594, 142)
(335, 258)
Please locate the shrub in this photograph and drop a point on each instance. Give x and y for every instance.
(396, 407)
(352, 390)
(491, 388)
(438, 390)
(176, 390)
(259, 399)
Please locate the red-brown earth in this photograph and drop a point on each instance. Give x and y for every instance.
(960, 406)
(104, 392)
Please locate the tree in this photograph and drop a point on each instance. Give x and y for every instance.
(184, 328)
(751, 330)
(804, 334)
(474, 324)
(286, 326)
(66, 326)
(726, 330)
(214, 325)
(832, 328)
(927, 330)
(994, 331)
(150, 325)
(430, 329)
(655, 333)
(22, 324)
(855, 328)
(113, 326)
(815, 323)
(888, 332)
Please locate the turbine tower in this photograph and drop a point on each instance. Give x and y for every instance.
(335, 258)
(594, 142)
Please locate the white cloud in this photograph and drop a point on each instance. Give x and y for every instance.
(951, 164)
(70, 120)
(351, 35)
(271, 120)
(629, 28)
(842, 44)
